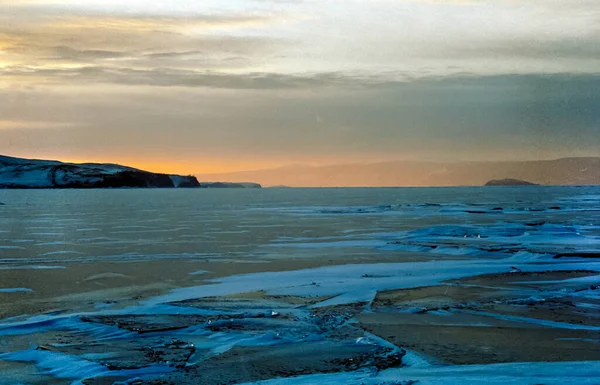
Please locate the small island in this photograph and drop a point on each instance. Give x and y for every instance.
(509, 182)
(229, 185)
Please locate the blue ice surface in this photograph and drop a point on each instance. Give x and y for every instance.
(31, 267)
(360, 282)
(199, 272)
(526, 373)
(15, 290)
(75, 368)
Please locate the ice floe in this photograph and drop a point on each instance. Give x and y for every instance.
(15, 290)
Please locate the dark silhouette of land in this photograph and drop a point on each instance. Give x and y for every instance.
(509, 182)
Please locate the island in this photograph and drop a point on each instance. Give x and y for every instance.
(510, 182)
(229, 185)
(34, 173)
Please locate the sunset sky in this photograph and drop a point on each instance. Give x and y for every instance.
(208, 86)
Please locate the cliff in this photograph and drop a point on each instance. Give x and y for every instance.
(30, 173)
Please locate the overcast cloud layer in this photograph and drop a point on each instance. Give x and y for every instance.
(214, 86)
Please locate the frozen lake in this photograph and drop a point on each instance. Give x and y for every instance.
(93, 281)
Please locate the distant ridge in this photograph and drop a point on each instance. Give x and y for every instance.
(564, 171)
(229, 185)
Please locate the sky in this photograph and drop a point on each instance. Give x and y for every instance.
(217, 86)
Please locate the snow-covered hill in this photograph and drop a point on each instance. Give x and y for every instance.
(30, 173)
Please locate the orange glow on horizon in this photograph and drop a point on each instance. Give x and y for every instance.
(201, 165)
(215, 165)
(182, 167)
(184, 164)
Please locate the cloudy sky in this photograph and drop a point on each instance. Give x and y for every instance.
(223, 85)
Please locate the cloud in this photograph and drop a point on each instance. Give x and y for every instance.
(183, 78)
(167, 77)
(34, 125)
(580, 49)
(159, 44)
(202, 129)
(319, 79)
(68, 53)
(46, 39)
(266, 44)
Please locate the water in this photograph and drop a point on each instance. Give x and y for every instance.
(79, 267)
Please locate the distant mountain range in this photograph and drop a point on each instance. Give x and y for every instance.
(31, 173)
(565, 171)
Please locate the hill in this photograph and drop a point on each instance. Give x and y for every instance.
(565, 171)
(33, 173)
(509, 182)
